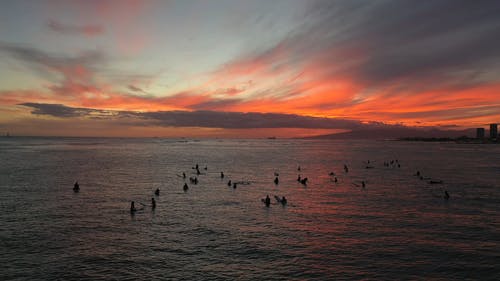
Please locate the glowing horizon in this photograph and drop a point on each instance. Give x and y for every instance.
(126, 68)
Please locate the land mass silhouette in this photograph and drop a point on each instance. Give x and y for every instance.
(397, 133)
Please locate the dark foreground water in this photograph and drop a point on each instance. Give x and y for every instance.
(396, 228)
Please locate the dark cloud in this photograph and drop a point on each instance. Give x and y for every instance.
(441, 42)
(67, 29)
(239, 120)
(48, 65)
(207, 119)
(56, 110)
(214, 104)
(34, 55)
(408, 39)
(134, 88)
(448, 114)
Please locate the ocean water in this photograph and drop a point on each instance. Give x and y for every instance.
(398, 227)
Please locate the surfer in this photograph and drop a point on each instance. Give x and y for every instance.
(229, 183)
(153, 203)
(157, 192)
(435, 181)
(76, 187)
(132, 208)
(185, 187)
(303, 181)
(267, 201)
(283, 201)
(276, 180)
(221, 175)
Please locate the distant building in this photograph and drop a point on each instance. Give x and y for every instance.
(480, 133)
(493, 131)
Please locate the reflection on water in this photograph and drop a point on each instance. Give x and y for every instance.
(398, 227)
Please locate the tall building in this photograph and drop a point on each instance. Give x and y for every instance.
(493, 131)
(480, 133)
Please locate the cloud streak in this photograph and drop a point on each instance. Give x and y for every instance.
(50, 66)
(68, 29)
(386, 41)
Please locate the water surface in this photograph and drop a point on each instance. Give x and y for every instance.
(397, 227)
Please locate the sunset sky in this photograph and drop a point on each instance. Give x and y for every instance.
(246, 68)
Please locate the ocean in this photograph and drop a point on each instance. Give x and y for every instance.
(397, 227)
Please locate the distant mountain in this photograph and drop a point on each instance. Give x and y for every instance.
(397, 132)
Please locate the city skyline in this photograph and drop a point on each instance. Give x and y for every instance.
(246, 68)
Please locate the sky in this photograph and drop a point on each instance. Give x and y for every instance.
(234, 68)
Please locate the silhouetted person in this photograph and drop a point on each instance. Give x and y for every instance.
(229, 183)
(346, 169)
(298, 178)
(332, 174)
(198, 171)
(132, 208)
(276, 180)
(417, 174)
(157, 192)
(183, 175)
(336, 180)
(267, 201)
(206, 168)
(76, 187)
(363, 184)
(221, 175)
(185, 187)
(298, 169)
(196, 167)
(446, 195)
(234, 185)
(153, 203)
(303, 181)
(283, 201)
